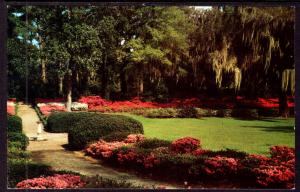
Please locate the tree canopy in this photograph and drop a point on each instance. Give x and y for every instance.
(154, 52)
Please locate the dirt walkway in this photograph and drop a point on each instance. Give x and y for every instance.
(51, 152)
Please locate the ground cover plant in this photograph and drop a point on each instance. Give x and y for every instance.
(187, 161)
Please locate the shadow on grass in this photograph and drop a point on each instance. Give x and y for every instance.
(283, 129)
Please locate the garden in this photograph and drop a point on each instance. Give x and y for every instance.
(170, 97)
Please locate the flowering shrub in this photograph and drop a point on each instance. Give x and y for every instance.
(220, 166)
(103, 149)
(133, 138)
(131, 156)
(185, 159)
(263, 103)
(47, 108)
(96, 103)
(274, 176)
(53, 182)
(185, 145)
(11, 108)
(282, 153)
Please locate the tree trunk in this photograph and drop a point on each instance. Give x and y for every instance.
(104, 91)
(43, 62)
(140, 85)
(283, 104)
(123, 84)
(69, 92)
(60, 85)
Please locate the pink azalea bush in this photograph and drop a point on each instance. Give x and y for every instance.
(52, 182)
(276, 171)
(105, 149)
(47, 109)
(11, 107)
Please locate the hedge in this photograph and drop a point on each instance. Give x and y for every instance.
(18, 137)
(61, 122)
(21, 168)
(116, 136)
(153, 143)
(96, 126)
(14, 123)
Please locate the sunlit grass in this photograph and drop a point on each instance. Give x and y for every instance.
(252, 136)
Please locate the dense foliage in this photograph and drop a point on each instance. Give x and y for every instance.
(14, 123)
(93, 127)
(154, 52)
(187, 161)
(62, 122)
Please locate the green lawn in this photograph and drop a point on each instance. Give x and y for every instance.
(252, 136)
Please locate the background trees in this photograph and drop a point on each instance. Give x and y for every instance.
(154, 52)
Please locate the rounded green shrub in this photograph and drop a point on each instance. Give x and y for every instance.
(117, 136)
(188, 112)
(61, 122)
(18, 137)
(96, 126)
(153, 143)
(14, 123)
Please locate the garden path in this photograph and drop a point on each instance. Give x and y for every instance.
(53, 153)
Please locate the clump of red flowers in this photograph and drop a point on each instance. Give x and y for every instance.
(11, 106)
(47, 109)
(185, 145)
(276, 171)
(52, 182)
(105, 149)
(133, 138)
(220, 166)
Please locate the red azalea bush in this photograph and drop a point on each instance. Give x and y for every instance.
(262, 102)
(10, 107)
(48, 109)
(220, 166)
(282, 153)
(96, 103)
(131, 157)
(277, 171)
(277, 176)
(52, 182)
(185, 145)
(11, 110)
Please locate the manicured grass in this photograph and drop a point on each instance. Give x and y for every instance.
(252, 136)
